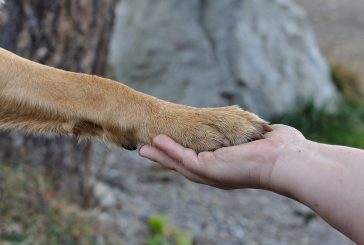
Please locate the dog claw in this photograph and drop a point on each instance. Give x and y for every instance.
(130, 147)
(267, 128)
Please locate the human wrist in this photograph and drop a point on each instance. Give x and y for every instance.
(294, 167)
(309, 172)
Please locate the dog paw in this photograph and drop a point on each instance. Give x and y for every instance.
(208, 129)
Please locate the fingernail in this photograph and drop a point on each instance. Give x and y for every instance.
(143, 151)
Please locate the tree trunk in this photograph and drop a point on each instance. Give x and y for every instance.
(72, 35)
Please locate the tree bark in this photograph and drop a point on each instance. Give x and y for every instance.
(71, 35)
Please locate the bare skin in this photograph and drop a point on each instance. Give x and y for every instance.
(326, 178)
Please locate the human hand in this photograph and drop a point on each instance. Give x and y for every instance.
(326, 178)
(249, 165)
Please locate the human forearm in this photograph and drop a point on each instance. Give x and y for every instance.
(329, 179)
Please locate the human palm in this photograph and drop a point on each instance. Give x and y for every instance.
(248, 165)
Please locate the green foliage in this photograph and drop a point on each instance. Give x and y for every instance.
(158, 224)
(158, 240)
(345, 126)
(165, 234)
(32, 213)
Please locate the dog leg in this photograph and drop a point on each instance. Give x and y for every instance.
(42, 99)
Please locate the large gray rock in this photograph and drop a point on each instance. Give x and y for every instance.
(260, 54)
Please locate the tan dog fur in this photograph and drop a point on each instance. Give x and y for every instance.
(42, 99)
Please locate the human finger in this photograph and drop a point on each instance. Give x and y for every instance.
(162, 158)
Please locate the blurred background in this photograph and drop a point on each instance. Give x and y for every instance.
(293, 62)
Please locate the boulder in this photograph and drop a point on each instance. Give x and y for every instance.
(259, 54)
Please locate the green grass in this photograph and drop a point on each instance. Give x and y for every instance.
(345, 126)
(163, 233)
